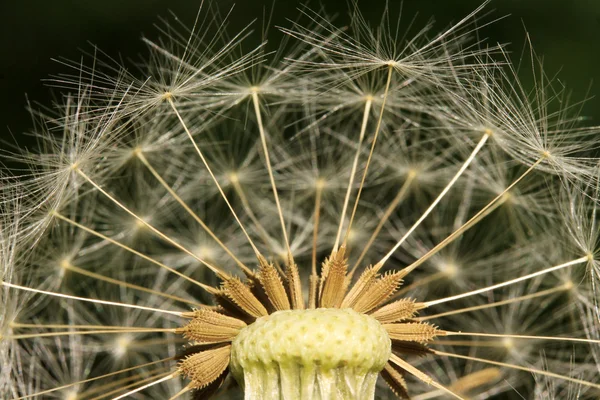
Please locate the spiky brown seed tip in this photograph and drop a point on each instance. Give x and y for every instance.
(412, 332)
(205, 367)
(397, 311)
(209, 326)
(242, 296)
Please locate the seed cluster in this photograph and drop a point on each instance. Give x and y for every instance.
(324, 351)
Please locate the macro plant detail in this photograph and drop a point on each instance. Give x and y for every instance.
(296, 224)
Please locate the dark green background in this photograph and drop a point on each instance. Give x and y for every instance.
(566, 33)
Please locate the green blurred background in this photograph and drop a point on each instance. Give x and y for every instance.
(565, 32)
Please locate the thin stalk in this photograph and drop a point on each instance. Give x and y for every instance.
(314, 278)
(207, 288)
(95, 301)
(118, 383)
(163, 236)
(446, 189)
(313, 269)
(375, 136)
(434, 394)
(189, 134)
(177, 198)
(361, 137)
(529, 337)
(156, 382)
(263, 140)
(98, 332)
(262, 232)
(580, 260)
(55, 389)
(18, 325)
(103, 278)
(400, 196)
(154, 342)
(181, 392)
(421, 376)
(470, 343)
(517, 367)
(498, 303)
(491, 206)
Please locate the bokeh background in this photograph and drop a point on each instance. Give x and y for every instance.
(32, 32)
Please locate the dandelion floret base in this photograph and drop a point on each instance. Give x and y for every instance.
(320, 354)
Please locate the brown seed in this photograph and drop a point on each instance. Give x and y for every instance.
(271, 282)
(405, 348)
(211, 327)
(334, 283)
(379, 292)
(397, 311)
(205, 367)
(241, 295)
(395, 381)
(412, 332)
(364, 282)
(294, 284)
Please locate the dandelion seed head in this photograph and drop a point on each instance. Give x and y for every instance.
(355, 206)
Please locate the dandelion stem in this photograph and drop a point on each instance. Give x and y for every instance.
(458, 174)
(434, 394)
(156, 382)
(498, 303)
(314, 278)
(155, 342)
(470, 343)
(118, 383)
(375, 136)
(499, 335)
(96, 301)
(421, 376)
(209, 289)
(166, 238)
(491, 206)
(55, 389)
(361, 137)
(400, 196)
(580, 260)
(317, 217)
(98, 332)
(181, 392)
(18, 325)
(239, 190)
(263, 140)
(177, 198)
(526, 369)
(99, 277)
(189, 134)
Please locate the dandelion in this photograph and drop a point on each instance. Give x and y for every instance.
(364, 215)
